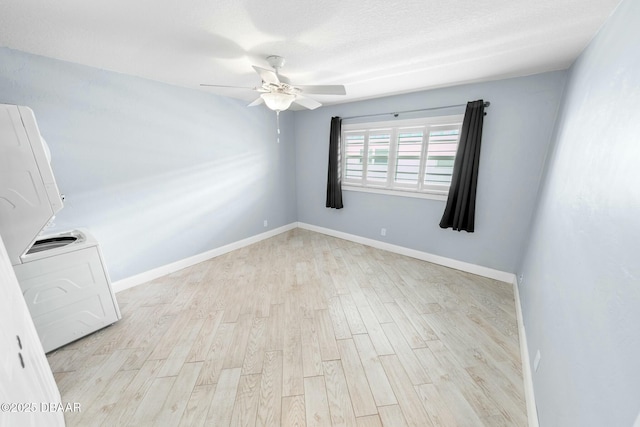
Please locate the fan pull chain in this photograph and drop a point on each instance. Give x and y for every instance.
(278, 124)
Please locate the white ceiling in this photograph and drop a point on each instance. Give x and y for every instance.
(373, 47)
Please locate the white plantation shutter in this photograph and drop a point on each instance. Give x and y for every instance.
(415, 155)
(409, 156)
(354, 154)
(378, 155)
(443, 143)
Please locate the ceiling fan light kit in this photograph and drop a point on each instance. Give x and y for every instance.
(278, 101)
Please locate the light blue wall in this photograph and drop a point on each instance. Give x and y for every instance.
(516, 136)
(581, 274)
(156, 172)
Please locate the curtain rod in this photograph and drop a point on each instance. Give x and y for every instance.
(396, 113)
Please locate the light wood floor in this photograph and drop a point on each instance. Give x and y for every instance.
(302, 329)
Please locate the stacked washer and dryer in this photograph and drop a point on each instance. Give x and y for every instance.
(63, 276)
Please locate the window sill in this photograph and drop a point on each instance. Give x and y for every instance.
(398, 193)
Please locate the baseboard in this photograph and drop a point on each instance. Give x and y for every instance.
(129, 282)
(147, 276)
(527, 377)
(491, 273)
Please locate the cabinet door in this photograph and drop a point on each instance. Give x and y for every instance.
(26, 381)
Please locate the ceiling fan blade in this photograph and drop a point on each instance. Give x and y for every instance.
(309, 103)
(323, 89)
(256, 102)
(231, 87)
(267, 76)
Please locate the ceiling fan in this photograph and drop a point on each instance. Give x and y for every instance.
(277, 92)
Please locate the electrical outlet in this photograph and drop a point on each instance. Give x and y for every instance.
(383, 231)
(266, 224)
(536, 361)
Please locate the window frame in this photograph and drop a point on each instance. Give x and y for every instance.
(394, 127)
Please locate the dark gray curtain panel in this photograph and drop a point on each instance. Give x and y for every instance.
(334, 178)
(460, 210)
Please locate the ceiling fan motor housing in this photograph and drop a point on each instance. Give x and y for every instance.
(275, 61)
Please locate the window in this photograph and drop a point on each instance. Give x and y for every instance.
(412, 156)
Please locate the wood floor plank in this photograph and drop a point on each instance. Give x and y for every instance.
(354, 284)
(292, 365)
(100, 379)
(392, 416)
(326, 337)
(74, 385)
(129, 336)
(405, 326)
(361, 396)
(501, 393)
(338, 319)
(311, 354)
(144, 344)
(356, 325)
(152, 402)
(466, 401)
(239, 341)
(134, 393)
(105, 403)
(178, 356)
(275, 334)
(406, 355)
(377, 306)
(197, 407)
(224, 398)
(419, 323)
(245, 408)
(254, 353)
(338, 395)
(167, 342)
(62, 360)
(494, 337)
(212, 366)
(374, 329)
(270, 403)
(437, 409)
(369, 421)
(178, 397)
(316, 403)
(408, 399)
(293, 411)
(205, 338)
(497, 421)
(262, 302)
(376, 376)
